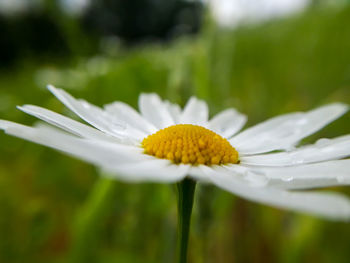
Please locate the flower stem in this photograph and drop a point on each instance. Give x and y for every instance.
(186, 190)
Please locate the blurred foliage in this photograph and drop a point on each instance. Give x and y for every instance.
(264, 70)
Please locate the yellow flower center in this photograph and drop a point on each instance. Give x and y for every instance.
(187, 143)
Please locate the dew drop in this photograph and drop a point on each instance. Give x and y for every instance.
(341, 179)
(256, 179)
(287, 178)
(322, 142)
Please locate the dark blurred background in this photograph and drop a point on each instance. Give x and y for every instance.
(262, 57)
(55, 29)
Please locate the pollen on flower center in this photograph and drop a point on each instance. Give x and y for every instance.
(187, 143)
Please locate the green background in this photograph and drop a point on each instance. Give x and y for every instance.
(47, 198)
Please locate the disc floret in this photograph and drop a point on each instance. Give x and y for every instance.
(190, 144)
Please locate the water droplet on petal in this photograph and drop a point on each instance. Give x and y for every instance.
(85, 104)
(296, 160)
(291, 148)
(256, 179)
(322, 142)
(341, 179)
(287, 178)
(302, 122)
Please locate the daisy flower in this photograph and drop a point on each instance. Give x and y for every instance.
(164, 143)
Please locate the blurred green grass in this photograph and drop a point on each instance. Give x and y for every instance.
(277, 67)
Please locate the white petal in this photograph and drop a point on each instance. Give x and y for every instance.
(123, 161)
(285, 131)
(195, 112)
(97, 152)
(328, 205)
(67, 124)
(251, 176)
(96, 116)
(127, 114)
(227, 122)
(197, 174)
(153, 170)
(322, 150)
(174, 110)
(155, 111)
(323, 174)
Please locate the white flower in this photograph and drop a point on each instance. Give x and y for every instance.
(116, 144)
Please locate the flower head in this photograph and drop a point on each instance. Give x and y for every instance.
(165, 143)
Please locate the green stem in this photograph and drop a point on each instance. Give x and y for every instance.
(186, 190)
